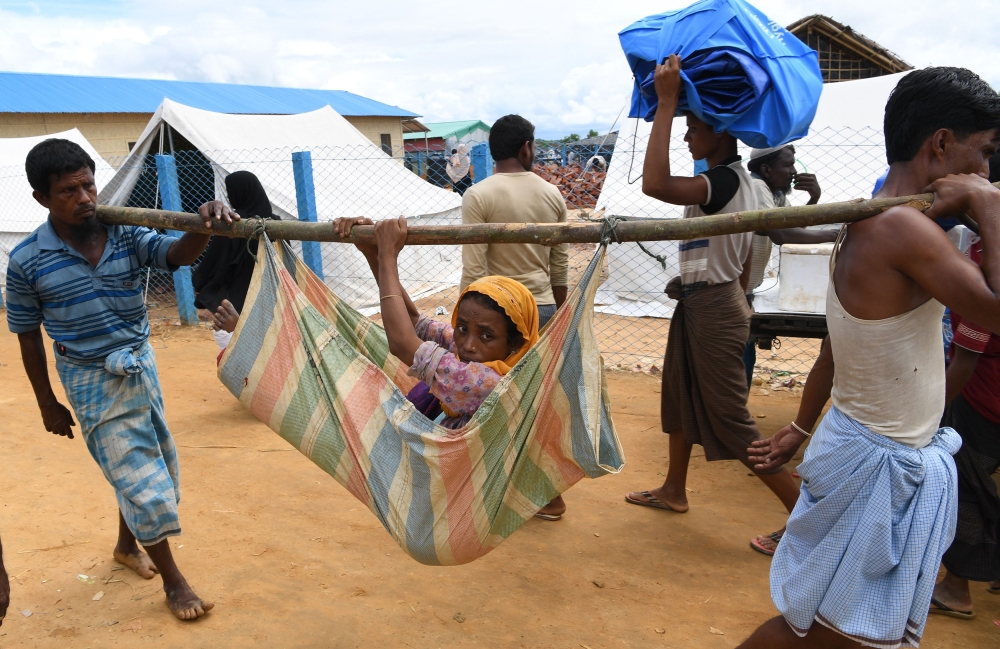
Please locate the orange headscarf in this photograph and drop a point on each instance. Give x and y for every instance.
(518, 303)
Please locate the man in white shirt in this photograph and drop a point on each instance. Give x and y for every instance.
(774, 175)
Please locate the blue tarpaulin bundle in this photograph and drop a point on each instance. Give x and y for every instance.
(740, 71)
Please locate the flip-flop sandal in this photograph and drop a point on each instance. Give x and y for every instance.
(653, 501)
(940, 609)
(993, 590)
(756, 545)
(548, 517)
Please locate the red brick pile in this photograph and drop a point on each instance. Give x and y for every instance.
(578, 188)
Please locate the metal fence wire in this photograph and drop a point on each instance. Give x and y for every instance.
(632, 312)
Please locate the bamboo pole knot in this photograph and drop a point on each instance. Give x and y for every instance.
(259, 231)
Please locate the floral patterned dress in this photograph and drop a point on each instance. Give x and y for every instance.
(461, 387)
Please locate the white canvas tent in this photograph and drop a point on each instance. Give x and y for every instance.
(20, 214)
(845, 149)
(353, 177)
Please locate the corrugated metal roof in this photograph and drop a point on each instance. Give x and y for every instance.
(599, 140)
(446, 130)
(59, 93)
(414, 126)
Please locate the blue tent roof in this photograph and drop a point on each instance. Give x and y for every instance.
(60, 93)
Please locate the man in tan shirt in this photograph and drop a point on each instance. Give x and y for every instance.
(515, 194)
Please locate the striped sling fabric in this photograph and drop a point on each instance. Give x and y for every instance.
(320, 375)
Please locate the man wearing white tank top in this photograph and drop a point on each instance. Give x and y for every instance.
(878, 501)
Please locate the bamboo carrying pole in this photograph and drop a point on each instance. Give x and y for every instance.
(544, 234)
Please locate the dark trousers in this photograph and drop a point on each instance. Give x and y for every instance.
(545, 313)
(975, 552)
(462, 185)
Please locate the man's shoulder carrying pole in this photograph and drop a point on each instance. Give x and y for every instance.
(625, 229)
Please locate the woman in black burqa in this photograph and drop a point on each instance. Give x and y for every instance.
(226, 268)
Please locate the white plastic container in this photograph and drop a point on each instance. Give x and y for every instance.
(804, 276)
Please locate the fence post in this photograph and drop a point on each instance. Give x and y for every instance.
(564, 155)
(305, 197)
(170, 197)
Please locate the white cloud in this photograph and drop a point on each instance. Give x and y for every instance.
(306, 49)
(563, 69)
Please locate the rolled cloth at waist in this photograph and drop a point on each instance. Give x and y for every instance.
(862, 547)
(704, 381)
(119, 404)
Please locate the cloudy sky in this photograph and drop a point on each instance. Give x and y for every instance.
(557, 63)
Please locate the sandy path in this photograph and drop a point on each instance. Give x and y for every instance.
(292, 560)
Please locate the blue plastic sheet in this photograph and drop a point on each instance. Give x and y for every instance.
(740, 71)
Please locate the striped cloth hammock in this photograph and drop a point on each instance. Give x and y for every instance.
(320, 374)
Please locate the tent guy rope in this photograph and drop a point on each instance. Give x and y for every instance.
(547, 234)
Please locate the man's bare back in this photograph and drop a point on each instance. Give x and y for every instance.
(893, 263)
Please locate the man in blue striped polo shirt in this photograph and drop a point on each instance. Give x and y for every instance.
(81, 279)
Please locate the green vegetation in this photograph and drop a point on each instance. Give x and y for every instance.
(569, 139)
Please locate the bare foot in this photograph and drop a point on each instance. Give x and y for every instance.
(953, 592)
(553, 511)
(138, 561)
(767, 543)
(184, 604)
(659, 498)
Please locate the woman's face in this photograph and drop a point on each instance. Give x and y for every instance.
(480, 334)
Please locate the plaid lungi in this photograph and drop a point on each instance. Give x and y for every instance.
(119, 406)
(704, 391)
(864, 542)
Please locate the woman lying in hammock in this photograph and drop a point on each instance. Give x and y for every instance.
(493, 325)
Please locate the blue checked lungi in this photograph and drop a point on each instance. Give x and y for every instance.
(864, 542)
(119, 405)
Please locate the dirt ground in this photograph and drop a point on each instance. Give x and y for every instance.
(292, 560)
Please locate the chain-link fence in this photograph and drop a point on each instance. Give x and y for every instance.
(633, 313)
(847, 163)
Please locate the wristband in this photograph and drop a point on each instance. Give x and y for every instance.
(386, 297)
(798, 428)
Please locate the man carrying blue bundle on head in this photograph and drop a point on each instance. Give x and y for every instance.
(82, 280)
(704, 395)
(878, 506)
